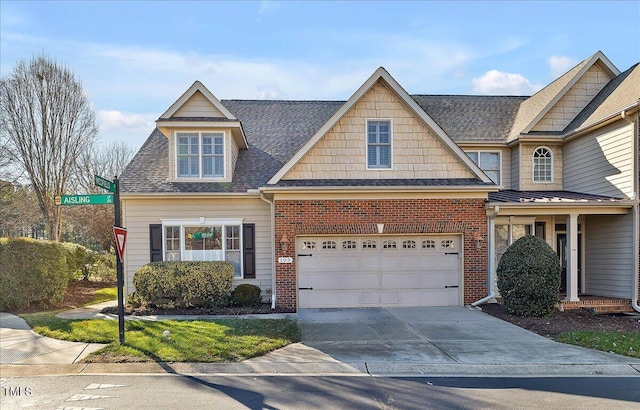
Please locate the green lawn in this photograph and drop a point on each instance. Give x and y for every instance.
(103, 295)
(224, 340)
(627, 344)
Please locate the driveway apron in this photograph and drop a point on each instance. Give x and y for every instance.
(435, 336)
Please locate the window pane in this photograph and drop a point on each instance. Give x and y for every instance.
(233, 257)
(207, 146)
(494, 175)
(218, 146)
(473, 156)
(219, 166)
(203, 243)
(490, 160)
(172, 243)
(372, 156)
(233, 237)
(193, 166)
(195, 149)
(384, 156)
(207, 166)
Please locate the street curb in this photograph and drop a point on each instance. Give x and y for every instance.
(325, 369)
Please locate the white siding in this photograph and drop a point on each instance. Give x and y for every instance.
(140, 213)
(198, 106)
(601, 163)
(515, 167)
(609, 255)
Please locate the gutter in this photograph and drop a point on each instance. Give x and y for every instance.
(491, 261)
(375, 189)
(636, 210)
(273, 251)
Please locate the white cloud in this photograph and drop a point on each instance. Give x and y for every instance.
(121, 126)
(496, 82)
(267, 6)
(560, 65)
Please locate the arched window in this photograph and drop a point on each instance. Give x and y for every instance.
(542, 165)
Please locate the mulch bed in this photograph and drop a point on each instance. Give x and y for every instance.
(568, 321)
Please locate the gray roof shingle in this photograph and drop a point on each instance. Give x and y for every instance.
(509, 195)
(471, 118)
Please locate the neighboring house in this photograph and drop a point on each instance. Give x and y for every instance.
(391, 199)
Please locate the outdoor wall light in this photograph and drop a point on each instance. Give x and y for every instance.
(478, 240)
(284, 243)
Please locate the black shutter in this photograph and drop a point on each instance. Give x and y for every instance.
(249, 250)
(155, 242)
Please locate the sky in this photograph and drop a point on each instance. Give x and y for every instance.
(135, 59)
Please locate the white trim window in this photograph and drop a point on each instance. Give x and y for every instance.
(542, 165)
(200, 154)
(490, 162)
(379, 138)
(186, 240)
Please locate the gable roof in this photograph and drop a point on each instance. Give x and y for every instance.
(197, 86)
(381, 75)
(619, 94)
(536, 106)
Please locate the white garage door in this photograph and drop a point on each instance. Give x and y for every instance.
(379, 271)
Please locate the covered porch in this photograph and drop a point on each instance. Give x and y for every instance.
(592, 236)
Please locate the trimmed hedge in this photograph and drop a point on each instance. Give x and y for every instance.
(246, 295)
(529, 278)
(32, 271)
(184, 284)
(86, 264)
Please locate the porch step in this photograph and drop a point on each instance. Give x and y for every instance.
(599, 305)
(607, 309)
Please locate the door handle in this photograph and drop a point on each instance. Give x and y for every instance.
(305, 254)
(305, 288)
(450, 286)
(451, 253)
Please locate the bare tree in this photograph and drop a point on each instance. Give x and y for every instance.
(106, 161)
(47, 123)
(93, 225)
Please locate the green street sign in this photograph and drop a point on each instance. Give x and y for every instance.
(104, 183)
(88, 199)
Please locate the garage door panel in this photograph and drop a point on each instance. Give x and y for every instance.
(360, 271)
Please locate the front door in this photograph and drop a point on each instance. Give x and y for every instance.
(561, 241)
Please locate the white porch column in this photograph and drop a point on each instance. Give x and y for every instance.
(572, 258)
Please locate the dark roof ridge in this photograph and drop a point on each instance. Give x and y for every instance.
(285, 101)
(469, 95)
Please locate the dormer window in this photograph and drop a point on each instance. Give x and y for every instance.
(542, 165)
(200, 154)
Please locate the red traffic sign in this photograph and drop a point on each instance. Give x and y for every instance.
(121, 238)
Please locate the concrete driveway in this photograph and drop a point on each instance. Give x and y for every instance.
(445, 340)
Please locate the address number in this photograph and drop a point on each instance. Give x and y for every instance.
(285, 260)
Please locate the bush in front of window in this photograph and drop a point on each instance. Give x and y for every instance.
(246, 295)
(184, 284)
(529, 278)
(32, 272)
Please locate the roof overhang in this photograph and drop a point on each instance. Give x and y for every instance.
(166, 126)
(252, 193)
(621, 207)
(377, 189)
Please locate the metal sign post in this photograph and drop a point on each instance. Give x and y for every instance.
(119, 273)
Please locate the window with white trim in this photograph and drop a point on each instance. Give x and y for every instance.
(196, 242)
(378, 144)
(200, 154)
(489, 162)
(542, 165)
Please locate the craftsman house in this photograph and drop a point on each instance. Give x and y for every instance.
(392, 199)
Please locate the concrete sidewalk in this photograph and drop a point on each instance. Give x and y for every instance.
(21, 345)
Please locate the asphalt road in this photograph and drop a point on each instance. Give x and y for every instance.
(316, 392)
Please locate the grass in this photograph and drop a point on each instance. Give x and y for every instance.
(224, 340)
(103, 295)
(627, 344)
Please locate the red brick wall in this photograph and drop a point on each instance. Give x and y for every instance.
(401, 216)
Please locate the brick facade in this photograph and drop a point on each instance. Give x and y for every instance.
(400, 216)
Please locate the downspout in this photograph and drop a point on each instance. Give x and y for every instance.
(273, 251)
(491, 260)
(636, 213)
